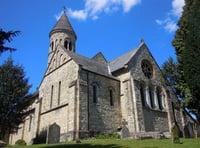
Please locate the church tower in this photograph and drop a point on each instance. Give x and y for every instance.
(62, 34)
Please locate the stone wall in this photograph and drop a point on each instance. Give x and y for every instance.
(99, 116)
(140, 118)
(155, 121)
(60, 112)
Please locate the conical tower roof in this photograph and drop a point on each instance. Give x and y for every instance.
(63, 24)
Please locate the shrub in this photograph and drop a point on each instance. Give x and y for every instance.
(20, 142)
(107, 136)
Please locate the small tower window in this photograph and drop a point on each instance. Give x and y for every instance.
(70, 46)
(52, 44)
(66, 44)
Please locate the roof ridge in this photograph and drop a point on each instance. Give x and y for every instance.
(122, 60)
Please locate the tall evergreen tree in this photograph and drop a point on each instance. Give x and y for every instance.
(7, 37)
(186, 43)
(170, 72)
(14, 94)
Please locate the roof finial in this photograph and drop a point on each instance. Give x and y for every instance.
(64, 9)
(142, 40)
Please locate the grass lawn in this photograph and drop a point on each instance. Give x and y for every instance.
(113, 143)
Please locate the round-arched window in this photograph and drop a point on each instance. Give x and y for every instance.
(147, 69)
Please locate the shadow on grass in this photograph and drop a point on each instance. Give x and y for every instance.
(84, 146)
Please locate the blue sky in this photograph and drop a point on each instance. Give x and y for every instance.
(110, 26)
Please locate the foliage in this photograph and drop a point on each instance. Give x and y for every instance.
(14, 95)
(113, 143)
(170, 72)
(7, 36)
(186, 43)
(20, 142)
(107, 136)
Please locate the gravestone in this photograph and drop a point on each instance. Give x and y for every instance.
(53, 133)
(175, 134)
(186, 132)
(125, 131)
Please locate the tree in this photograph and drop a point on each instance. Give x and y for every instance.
(186, 43)
(14, 97)
(170, 72)
(7, 36)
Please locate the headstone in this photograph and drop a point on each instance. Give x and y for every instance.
(53, 134)
(186, 132)
(175, 134)
(125, 131)
(191, 131)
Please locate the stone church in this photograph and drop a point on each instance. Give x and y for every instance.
(80, 97)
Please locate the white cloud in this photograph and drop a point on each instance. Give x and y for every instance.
(177, 6)
(93, 8)
(128, 4)
(169, 23)
(79, 14)
(171, 26)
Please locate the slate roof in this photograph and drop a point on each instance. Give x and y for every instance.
(102, 68)
(63, 24)
(121, 61)
(90, 64)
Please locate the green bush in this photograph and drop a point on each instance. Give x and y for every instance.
(20, 142)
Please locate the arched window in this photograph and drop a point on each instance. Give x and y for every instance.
(66, 44)
(70, 46)
(59, 92)
(151, 97)
(94, 94)
(51, 101)
(111, 97)
(56, 43)
(159, 97)
(52, 44)
(142, 94)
